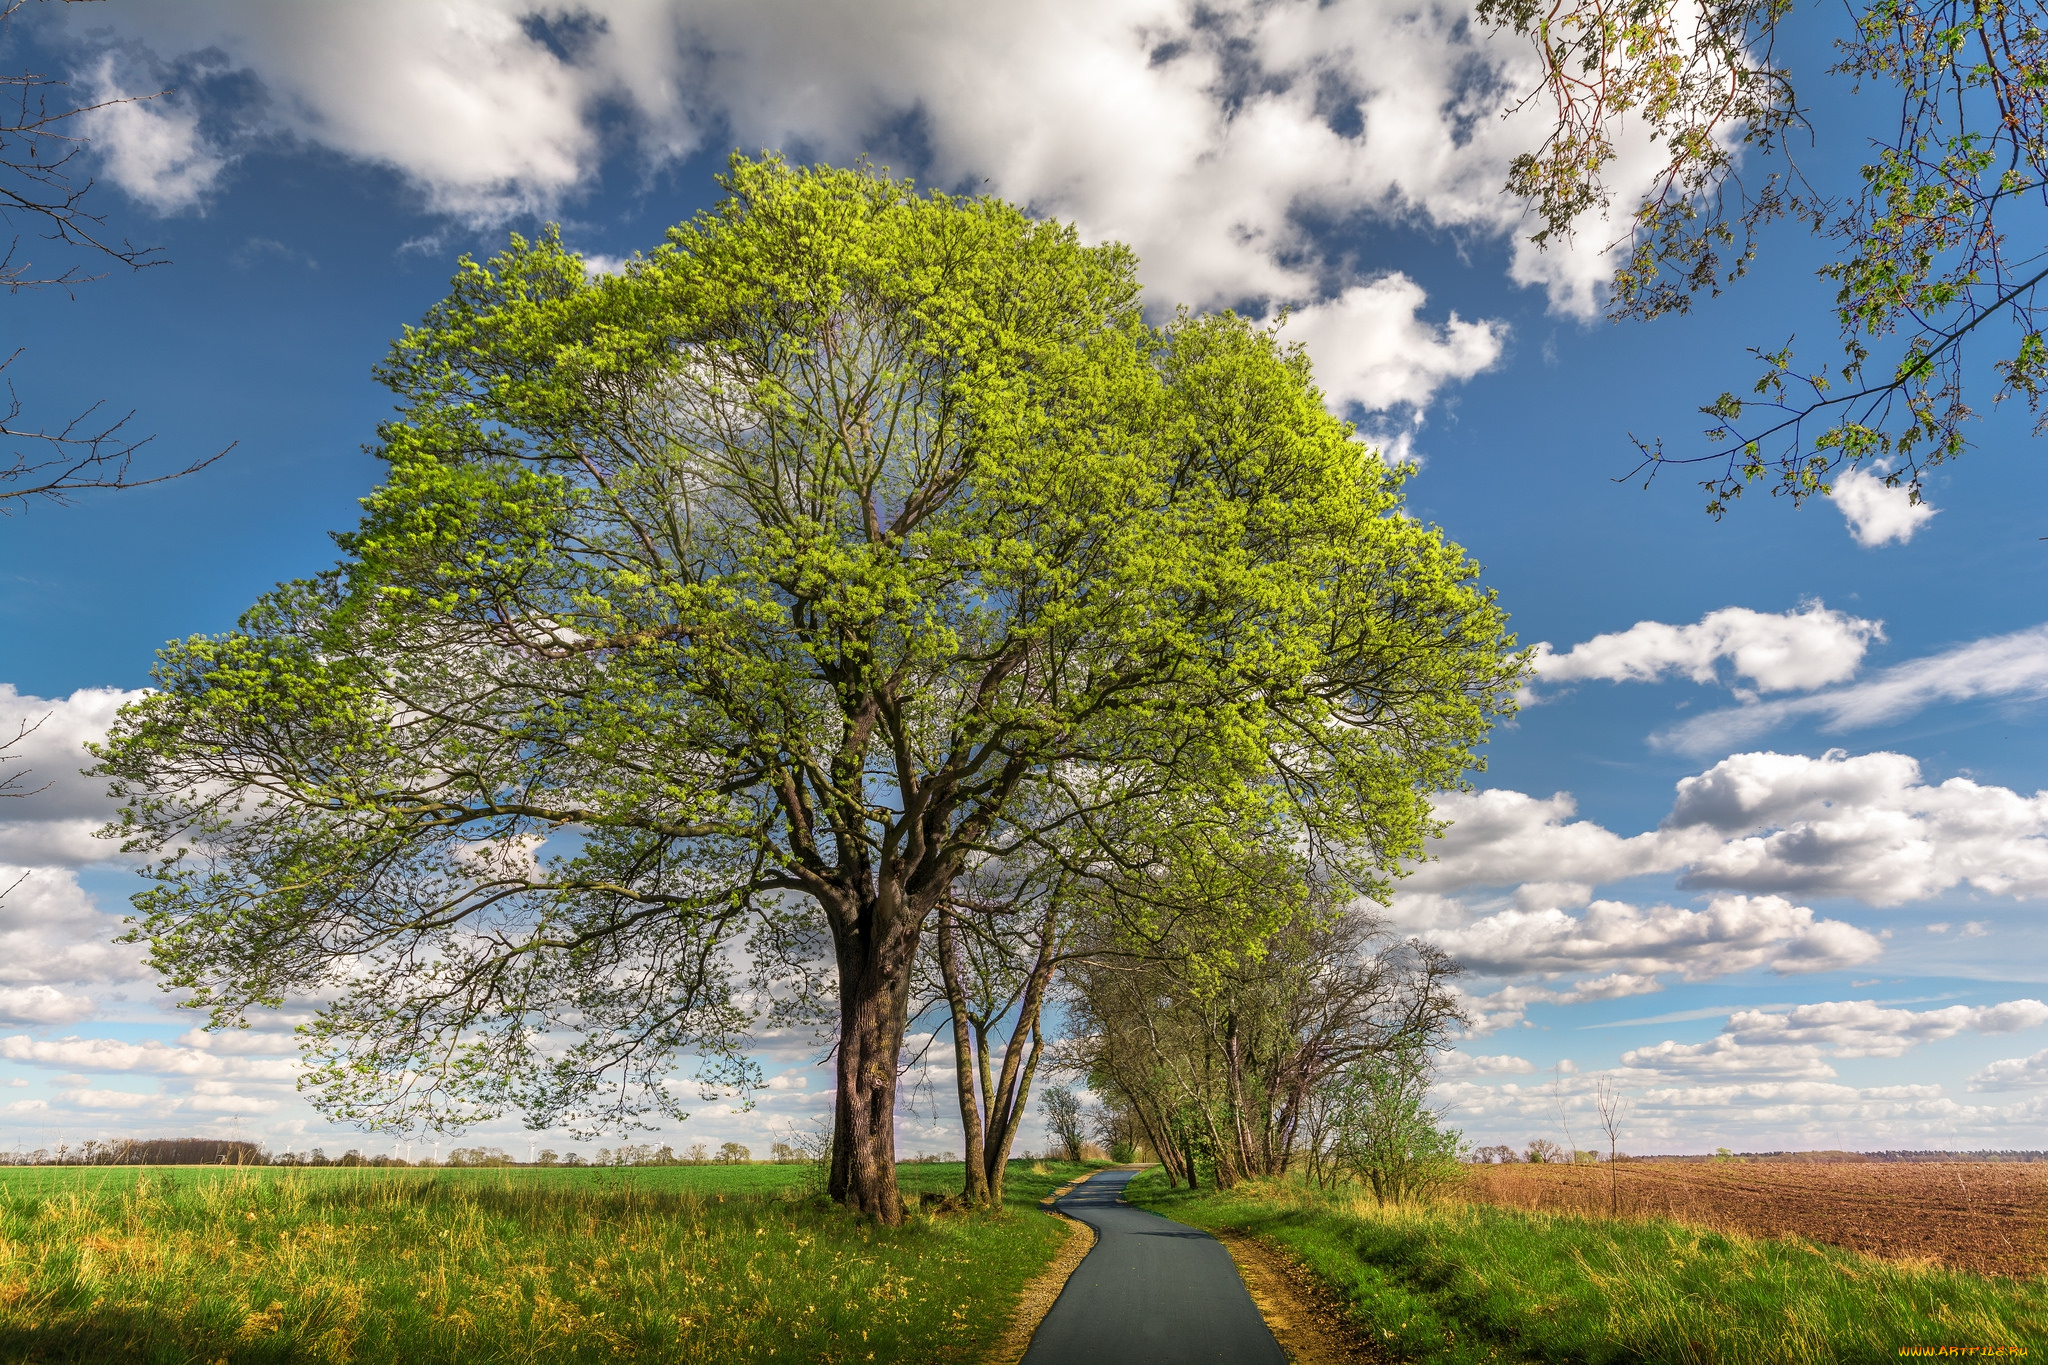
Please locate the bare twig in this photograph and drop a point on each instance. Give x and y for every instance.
(1571, 1145)
(10, 783)
(85, 453)
(1612, 1106)
(41, 137)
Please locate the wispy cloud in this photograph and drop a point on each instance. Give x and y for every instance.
(2014, 666)
(1798, 1042)
(1684, 1016)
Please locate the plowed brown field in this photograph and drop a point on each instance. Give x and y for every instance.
(1989, 1217)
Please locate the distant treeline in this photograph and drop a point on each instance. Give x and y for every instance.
(189, 1151)
(195, 1151)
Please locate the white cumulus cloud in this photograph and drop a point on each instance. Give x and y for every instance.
(52, 933)
(150, 1057)
(1878, 515)
(1501, 837)
(1775, 652)
(1372, 348)
(52, 822)
(1508, 1007)
(1462, 1064)
(1863, 826)
(1768, 824)
(42, 1005)
(2013, 1073)
(94, 1102)
(1219, 140)
(1756, 1112)
(1796, 1042)
(153, 147)
(1732, 934)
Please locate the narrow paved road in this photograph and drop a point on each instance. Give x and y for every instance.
(1152, 1292)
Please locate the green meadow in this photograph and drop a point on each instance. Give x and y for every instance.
(193, 1266)
(1453, 1283)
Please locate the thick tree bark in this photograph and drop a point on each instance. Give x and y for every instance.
(874, 999)
(877, 898)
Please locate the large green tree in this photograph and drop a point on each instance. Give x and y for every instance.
(766, 584)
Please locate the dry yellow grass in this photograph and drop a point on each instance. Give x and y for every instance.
(340, 1267)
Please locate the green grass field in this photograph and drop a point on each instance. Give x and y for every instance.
(759, 1177)
(712, 1263)
(1453, 1283)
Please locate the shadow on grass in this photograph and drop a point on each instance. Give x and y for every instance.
(121, 1336)
(404, 1267)
(1458, 1284)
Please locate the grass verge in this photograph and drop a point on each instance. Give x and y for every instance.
(1453, 1282)
(189, 1265)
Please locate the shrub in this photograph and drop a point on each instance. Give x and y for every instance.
(1063, 1120)
(1387, 1136)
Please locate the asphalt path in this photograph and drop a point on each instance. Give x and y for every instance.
(1150, 1292)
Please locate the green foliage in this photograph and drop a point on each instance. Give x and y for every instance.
(1938, 245)
(1449, 1283)
(848, 535)
(1385, 1134)
(721, 1263)
(1251, 1065)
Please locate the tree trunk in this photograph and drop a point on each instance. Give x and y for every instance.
(967, 1051)
(1158, 1132)
(1222, 1174)
(998, 1156)
(1240, 1131)
(874, 997)
(1008, 1101)
(991, 1120)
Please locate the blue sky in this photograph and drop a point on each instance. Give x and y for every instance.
(1766, 846)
